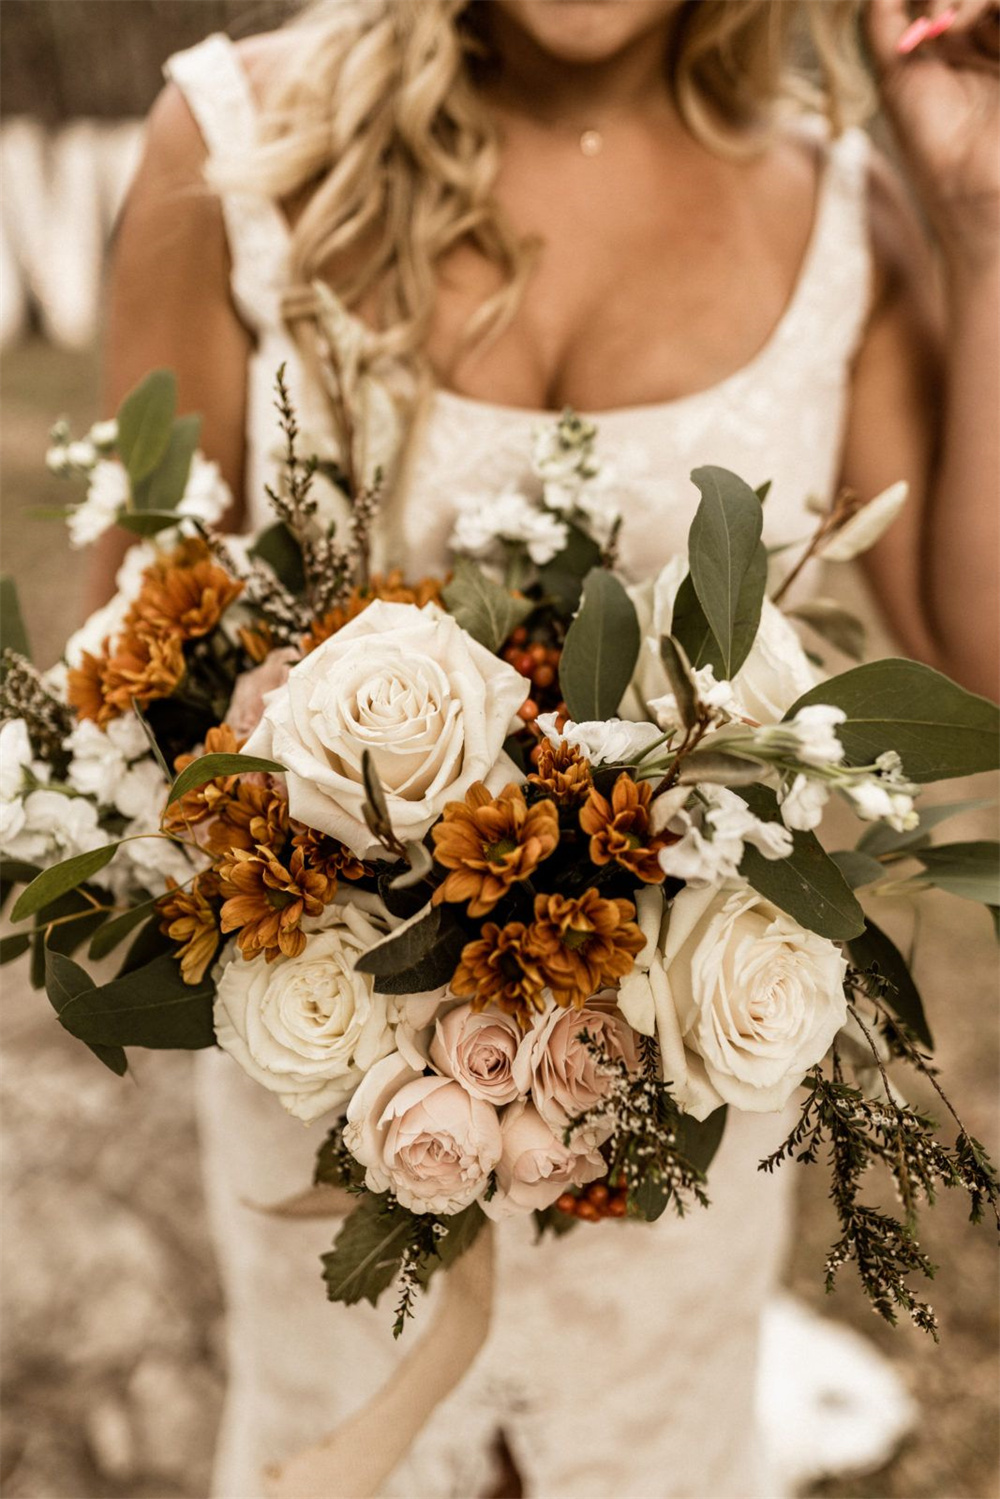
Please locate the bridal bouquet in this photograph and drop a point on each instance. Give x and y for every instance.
(509, 879)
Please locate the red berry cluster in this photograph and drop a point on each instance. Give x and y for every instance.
(539, 662)
(595, 1202)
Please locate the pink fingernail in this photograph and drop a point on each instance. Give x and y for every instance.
(925, 29)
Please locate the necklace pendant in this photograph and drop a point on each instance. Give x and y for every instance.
(591, 143)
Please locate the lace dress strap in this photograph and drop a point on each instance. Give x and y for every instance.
(217, 91)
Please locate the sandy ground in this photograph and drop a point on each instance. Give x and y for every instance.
(112, 1330)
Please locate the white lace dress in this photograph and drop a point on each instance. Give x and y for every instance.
(624, 1357)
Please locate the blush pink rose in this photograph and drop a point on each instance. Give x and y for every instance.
(535, 1167)
(246, 706)
(561, 1073)
(478, 1051)
(424, 1138)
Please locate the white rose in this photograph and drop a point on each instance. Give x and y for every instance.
(744, 1000)
(307, 1028)
(776, 672)
(424, 1138)
(535, 1167)
(614, 741)
(410, 686)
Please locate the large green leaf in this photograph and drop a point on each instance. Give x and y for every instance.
(145, 423)
(108, 935)
(602, 645)
(880, 838)
(13, 635)
(164, 488)
(857, 868)
(212, 767)
(728, 562)
(561, 580)
(51, 883)
(151, 1007)
(420, 955)
(146, 522)
(66, 984)
(487, 610)
(971, 870)
(873, 949)
(699, 1139)
(367, 1252)
(938, 728)
(277, 546)
(463, 1231)
(807, 885)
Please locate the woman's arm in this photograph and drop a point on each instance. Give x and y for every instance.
(925, 397)
(169, 304)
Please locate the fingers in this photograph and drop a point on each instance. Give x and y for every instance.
(961, 32)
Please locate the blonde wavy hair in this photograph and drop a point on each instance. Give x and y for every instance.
(373, 120)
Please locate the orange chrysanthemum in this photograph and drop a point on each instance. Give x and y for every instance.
(582, 944)
(86, 688)
(257, 642)
(143, 668)
(207, 800)
(391, 588)
(619, 830)
(562, 770)
(499, 969)
(256, 813)
(266, 900)
(329, 855)
(188, 918)
(489, 843)
(184, 601)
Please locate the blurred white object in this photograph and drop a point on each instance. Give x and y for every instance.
(62, 191)
(828, 1402)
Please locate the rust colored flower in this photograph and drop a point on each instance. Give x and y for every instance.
(258, 642)
(86, 688)
(619, 829)
(266, 900)
(498, 969)
(255, 813)
(329, 855)
(582, 944)
(188, 918)
(561, 770)
(143, 667)
(182, 598)
(391, 587)
(489, 843)
(210, 799)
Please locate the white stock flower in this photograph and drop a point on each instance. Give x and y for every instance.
(744, 1000)
(206, 496)
(104, 434)
(718, 697)
(55, 827)
(424, 1138)
(613, 741)
(510, 517)
(713, 838)
(874, 801)
(307, 1028)
(866, 526)
(430, 705)
(81, 454)
(107, 492)
(15, 759)
(100, 757)
(803, 803)
(776, 672)
(809, 736)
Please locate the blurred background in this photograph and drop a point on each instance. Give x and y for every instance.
(113, 1359)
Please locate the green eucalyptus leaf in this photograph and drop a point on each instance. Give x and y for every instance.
(51, 883)
(835, 624)
(719, 767)
(699, 1139)
(212, 767)
(728, 562)
(873, 949)
(145, 423)
(12, 947)
(857, 868)
(678, 670)
(163, 489)
(409, 961)
(561, 580)
(691, 629)
(13, 635)
(67, 984)
(880, 838)
(151, 1006)
(807, 885)
(463, 1231)
(938, 729)
(108, 936)
(971, 870)
(146, 522)
(278, 547)
(601, 649)
(486, 610)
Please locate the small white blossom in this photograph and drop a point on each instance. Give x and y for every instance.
(55, 827)
(81, 454)
(101, 756)
(802, 803)
(207, 496)
(809, 736)
(104, 434)
(15, 759)
(613, 741)
(107, 493)
(713, 851)
(876, 801)
(509, 517)
(57, 460)
(718, 697)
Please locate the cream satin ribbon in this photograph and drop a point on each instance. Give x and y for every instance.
(354, 1461)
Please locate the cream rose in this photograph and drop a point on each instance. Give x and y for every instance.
(424, 1138)
(478, 1051)
(560, 1071)
(409, 685)
(307, 1028)
(535, 1167)
(776, 672)
(742, 998)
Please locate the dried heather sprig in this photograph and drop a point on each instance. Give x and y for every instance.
(23, 694)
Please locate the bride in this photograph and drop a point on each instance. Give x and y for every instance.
(612, 205)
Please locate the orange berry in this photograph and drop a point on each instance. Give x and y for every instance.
(587, 1211)
(537, 652)
(529, 712)
(567, 1203)
(544, 676)
(520, 635)
(617, 1207)
(598, 1194)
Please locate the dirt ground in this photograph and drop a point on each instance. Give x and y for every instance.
(112, 1327)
